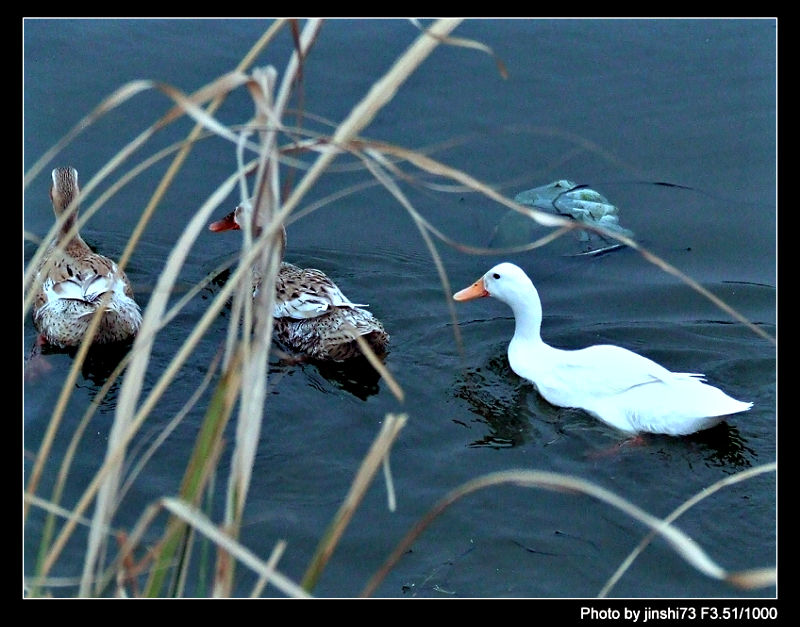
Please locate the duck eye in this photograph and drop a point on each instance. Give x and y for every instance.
(496, 276)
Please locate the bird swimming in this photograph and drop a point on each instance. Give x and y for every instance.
(312, 317)
(619, 387)
(74, 281)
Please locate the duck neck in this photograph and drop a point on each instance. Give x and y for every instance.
(528, 316)
(76, 239)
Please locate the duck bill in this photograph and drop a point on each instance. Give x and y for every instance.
(228, 223)
(476, 290)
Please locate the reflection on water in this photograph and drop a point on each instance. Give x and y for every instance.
(722, 446)
(509, 406)
(357, 377)
(490, 397)
(101, 361)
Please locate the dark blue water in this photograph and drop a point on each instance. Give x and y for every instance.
(672, 120)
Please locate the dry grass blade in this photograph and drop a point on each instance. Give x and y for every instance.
(268, 114)
(380, 368)
(294, 69)
(252, 396)
(701, 290)
(272, 563)
(201, 465)
(53, 508)
(256, 348)
(374, 459)
(169, 428)
(469, 43)
(753, 578)
(119, 96)
(685, 546)
(423, 227)
(132, 384)
(35, 583)
(362, 114)
(741, 580)
(69, 455)
(58, 413)
(129, 543)
(197, 520)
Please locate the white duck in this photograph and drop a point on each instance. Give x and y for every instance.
(619, 387)
(312, 317)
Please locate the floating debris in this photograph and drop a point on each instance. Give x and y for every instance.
(562, 197)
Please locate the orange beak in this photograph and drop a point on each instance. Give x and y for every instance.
(476, 290)
(226, 224)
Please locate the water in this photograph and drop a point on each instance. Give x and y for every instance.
(622, 106)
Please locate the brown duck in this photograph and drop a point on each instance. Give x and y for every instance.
(73, 281)
(312, 317)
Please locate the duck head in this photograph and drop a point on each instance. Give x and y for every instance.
(236, 219)
(231, 222)
(509, 284)
(506, 282)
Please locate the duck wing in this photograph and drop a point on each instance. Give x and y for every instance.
(87, 288)
(608, 370)
(303, 293)
(575, 378)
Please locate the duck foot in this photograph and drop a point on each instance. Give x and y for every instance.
(288, 359)
(36, 364)
(636, 440)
